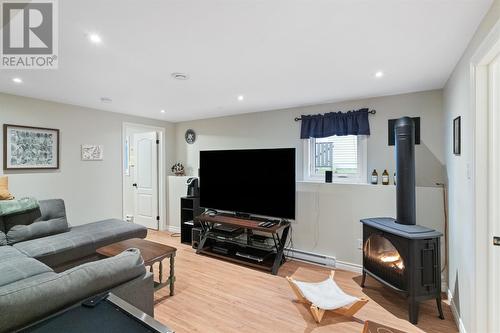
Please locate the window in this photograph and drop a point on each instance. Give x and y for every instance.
(344, 155)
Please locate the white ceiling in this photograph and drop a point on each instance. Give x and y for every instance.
(277, 53)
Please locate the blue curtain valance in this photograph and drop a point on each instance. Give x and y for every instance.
(335, 123)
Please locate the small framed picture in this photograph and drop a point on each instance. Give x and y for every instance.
(92, 153)
(26, 147)
(457, 144)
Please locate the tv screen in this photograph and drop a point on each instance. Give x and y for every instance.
(255, 181)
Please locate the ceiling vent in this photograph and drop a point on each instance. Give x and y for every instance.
(180, 76)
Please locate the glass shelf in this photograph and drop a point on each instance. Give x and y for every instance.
(242, 240)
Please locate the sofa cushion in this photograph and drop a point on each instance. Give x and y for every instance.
(16, 266)
(37, 229)
(52, 209)
(26, 301)
(80, 241)
(49, 219)
(18, 269)
(9, 253)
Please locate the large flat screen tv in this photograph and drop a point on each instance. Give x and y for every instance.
(255, 181)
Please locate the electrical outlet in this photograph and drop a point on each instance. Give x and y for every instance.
(360, 244)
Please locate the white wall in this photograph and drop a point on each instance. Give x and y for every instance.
(328, 215)
(272, 129)
(91, 190)
(457, 102)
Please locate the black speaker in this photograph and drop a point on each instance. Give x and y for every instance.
(195, 237)
(328, 176)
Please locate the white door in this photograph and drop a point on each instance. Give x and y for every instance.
(146, 180)
(494, 193)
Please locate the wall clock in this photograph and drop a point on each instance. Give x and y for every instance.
(190, 136)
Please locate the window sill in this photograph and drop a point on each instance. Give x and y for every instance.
(335, 182)
(381, 186)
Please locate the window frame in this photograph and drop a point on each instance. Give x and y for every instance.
(309, 168)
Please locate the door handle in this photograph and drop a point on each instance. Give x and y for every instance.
(496, 240)
(134, 185)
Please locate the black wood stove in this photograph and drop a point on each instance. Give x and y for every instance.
(398, 252)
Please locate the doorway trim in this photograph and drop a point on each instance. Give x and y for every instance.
(162, 181)
(485, 305)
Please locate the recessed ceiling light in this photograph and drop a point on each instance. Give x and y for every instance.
(379, 74)
(180, 76)
(106, 100)
(17, 80)
(162, 111)
(95, 38)
(241, 97)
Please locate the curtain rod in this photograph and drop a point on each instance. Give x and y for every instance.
(370, 112)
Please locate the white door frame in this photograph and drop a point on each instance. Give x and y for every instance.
(162, 181)
(485, 305)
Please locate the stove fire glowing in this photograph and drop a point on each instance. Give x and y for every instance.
(393, 259)
(379, 249)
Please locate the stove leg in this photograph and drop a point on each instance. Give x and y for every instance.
(363, 280)
(413, 312)
(440, 308)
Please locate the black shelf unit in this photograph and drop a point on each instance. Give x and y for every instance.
(269, 249)
(190, 208)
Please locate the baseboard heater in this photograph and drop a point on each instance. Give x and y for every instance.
(311, 257)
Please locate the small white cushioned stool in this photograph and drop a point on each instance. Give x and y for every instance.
(326, 296)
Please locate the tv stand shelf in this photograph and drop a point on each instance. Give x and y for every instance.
(244, 240)
(271, 253)
(267, 264)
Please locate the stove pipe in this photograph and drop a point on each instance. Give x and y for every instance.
(405, 170)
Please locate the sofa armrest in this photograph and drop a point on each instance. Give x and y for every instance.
(139, 292)
(24, 303)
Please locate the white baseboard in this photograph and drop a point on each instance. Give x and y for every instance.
(173, 228)
(456, 315)
(348, 266)
(323, 260)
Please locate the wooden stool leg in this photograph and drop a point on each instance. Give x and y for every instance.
(296, 291)
(172, 274)
(317, 313)
(351, 310)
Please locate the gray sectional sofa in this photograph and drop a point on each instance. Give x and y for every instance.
(46, 265)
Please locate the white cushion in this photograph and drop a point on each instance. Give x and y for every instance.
(325, 295)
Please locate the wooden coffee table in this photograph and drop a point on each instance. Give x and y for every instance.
(151, 253)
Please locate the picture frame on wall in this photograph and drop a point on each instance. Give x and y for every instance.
(27, 147)
(457, 144)
(92, 152)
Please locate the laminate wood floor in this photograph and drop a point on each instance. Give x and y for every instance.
(212, 295)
